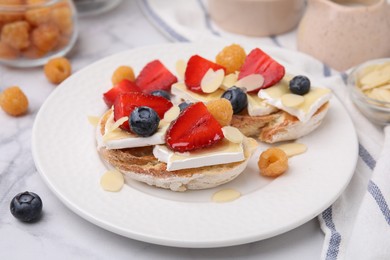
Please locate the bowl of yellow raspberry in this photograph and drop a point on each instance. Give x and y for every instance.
(34, 31)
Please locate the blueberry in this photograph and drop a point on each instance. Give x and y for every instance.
(144, 121)
(237, 98)
(183, 105)
(26, 206)
(300, 85)
(161, 93)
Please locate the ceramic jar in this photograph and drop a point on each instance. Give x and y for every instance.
(345, 33)
(256, 17)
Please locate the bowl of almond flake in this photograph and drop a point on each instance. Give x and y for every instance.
(369, 85)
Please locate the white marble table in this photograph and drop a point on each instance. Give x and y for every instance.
(61, 234)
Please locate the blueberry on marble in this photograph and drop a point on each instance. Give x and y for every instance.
(26, 206)
(237, 98)
(183, 105)
(161, 93)
(144, 121)
(300, 85)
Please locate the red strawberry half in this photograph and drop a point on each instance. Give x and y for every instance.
(195, 128)
(122, 87)
(196, 69)
(258, 62)
(155, 76)
(127, 102)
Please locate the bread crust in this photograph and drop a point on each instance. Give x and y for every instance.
(141, 165)
(278, 126)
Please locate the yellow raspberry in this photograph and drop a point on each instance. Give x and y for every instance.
(6, 52)
(273, 162)
(231, 57)
(222, 110)
(121, 73)
(16, 34)
(13, 101)
(57, 70)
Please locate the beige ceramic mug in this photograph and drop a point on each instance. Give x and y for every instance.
(345, 33)
(256, 17)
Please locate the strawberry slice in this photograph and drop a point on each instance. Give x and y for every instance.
(196, 69)
(258, 62)
(155, 76)
(195, 128)
(122, 87)
(127, 102)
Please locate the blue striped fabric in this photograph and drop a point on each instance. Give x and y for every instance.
(332, 252)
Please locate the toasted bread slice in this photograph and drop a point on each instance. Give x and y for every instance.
(278, 126)
(140, 164)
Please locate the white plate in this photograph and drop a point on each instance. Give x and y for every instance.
(65, 155)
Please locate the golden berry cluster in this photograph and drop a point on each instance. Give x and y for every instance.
(31, 29)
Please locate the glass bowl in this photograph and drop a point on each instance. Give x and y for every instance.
(373, 102)
(34, 31)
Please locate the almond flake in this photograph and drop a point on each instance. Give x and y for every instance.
(229, 80)
(292, 149)
(212, 80)
(171, 114)
(376, 78)
(251, 82)
(292, 100)
(107, 135)
(232, 134)
(112, 181)
(181, 67)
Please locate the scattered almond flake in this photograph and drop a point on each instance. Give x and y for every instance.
(93, 120)
(181, 67)
(112, 181)
(225, 195)
(387, 86)
(171, 114)
(292, 149)
(232, 134)
(292, 100)
(251, 82)
(212, 80)
(229, 81)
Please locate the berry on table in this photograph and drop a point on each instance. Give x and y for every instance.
(300, 85)
(222, 110)
(161, 93)
(237, 98)
(26, 206)
(13, 101)
(144, 121)
(121, 73)
(231, 57)
(57, 70)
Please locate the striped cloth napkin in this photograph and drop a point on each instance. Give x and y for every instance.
(357, 225)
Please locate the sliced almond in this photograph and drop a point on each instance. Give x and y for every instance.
(232, 134)
(171, 114)
(376, 78)
(229, 80)
(380, 94)
(181, 67)
(292, 149)
(212, 80)
(93, 120)
(112, 181)
(107, 135)
(292, 100)
(251, 82)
